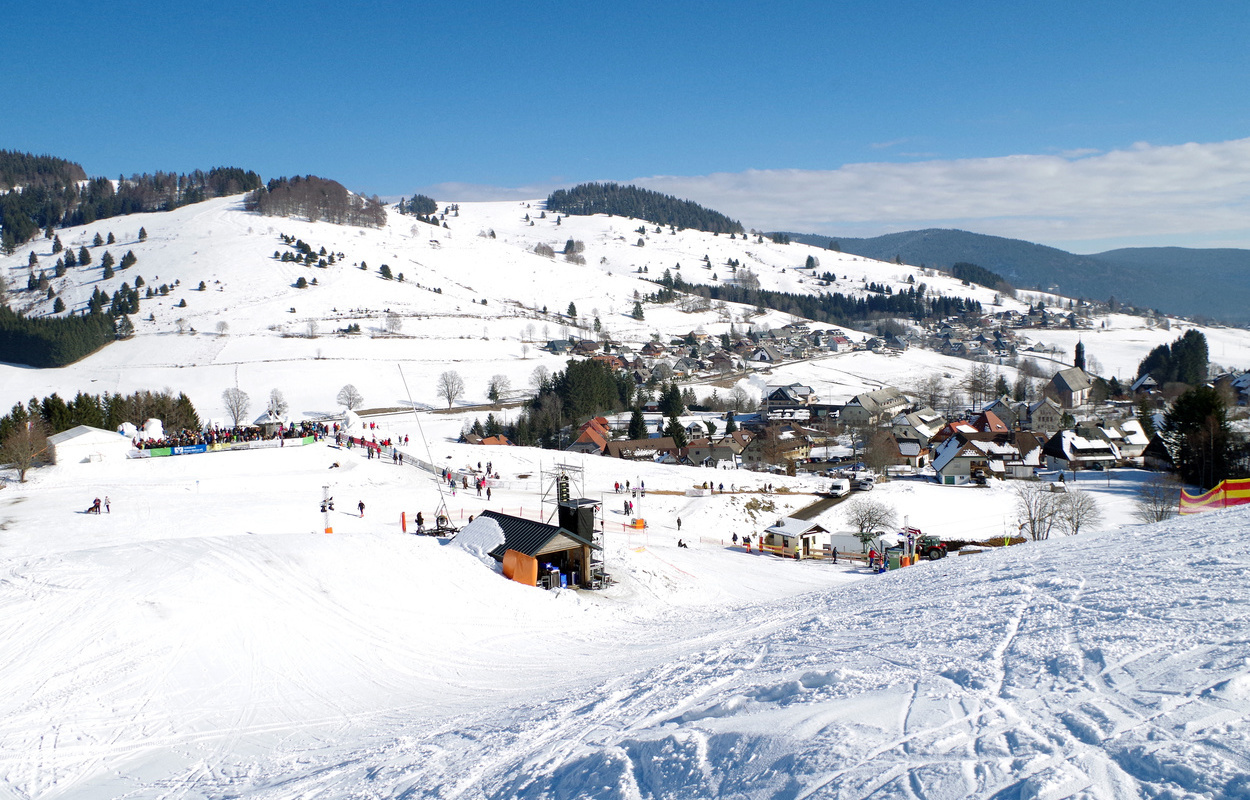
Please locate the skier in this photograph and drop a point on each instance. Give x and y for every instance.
(735, 539)
(361, 506)
(107, 510)
(679, 524)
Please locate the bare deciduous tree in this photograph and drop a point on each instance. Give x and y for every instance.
(450, 387)
(25, 445)
(312, 329)
(237, 403)
(538, 378)
(350, 398)
(498, 387)
(223, 327)
(1078, 510)
(979, 382)
(1157, 499)
(1037, 510)
(277, 404)
(869, 517)
(394, 323)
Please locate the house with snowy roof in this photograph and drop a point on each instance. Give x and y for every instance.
(791, 536)
(1069, 450)
(962, 457)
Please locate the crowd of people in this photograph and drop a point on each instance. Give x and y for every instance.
(217, 435)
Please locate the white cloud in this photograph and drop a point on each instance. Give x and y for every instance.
(1181, 194)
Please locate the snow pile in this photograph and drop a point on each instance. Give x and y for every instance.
(153, 429)
(478, 538)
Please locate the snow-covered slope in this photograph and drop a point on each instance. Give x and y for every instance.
(468, 302)
(202, 640)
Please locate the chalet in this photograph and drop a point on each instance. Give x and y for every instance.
(918, 425)
(698, 451)
(767, 354)
(592, 438)
(586, 347)
(1071, 386)
(794, 395)
(776, 445)
(559, 346)
(958, 459)
(652, 349)
(795, 538)
(1134, 441)
(1069, 450)
(640, 449)
(871, 407)
(499, 440)
(615, 362)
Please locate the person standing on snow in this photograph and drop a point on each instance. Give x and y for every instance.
(361, 506)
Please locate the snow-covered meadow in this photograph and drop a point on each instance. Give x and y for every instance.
(206, 639)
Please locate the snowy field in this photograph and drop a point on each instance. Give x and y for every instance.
(205, 639)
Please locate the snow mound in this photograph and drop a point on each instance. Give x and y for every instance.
(479, 537)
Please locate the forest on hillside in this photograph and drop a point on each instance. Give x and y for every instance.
(316, 199)
(41, 193)
(644, 204)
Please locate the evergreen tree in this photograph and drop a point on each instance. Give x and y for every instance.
(58, 306)
(637, 424)
(33, 261)
(572, 312)
(675, 431)
(56, 244)
(97, 241)
(1196, 431)
(638, 310)
(69, 259)
(84, 256)
(111, 239)
(106, 260)
(143, 234)
(129, 260)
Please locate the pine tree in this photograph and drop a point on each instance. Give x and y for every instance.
(33, 261)
(56, 245)
(107, 260)
(112, 239)
(97, 241)
(58, 306)
(70, 261)
(572, 312)
(129, 260)
(638, 310)
(637, 424)
(84, 256)
(143, 234)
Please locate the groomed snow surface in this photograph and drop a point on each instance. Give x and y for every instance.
(206, 639)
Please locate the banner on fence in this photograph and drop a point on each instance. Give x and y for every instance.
(1226, 495)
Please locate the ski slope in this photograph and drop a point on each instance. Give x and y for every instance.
(204, 639)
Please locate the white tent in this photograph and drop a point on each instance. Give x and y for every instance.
(85, 443)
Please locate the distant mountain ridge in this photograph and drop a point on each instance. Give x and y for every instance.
(1210, 283)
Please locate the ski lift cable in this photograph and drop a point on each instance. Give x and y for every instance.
(421, 432)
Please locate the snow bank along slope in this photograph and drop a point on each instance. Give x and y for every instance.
(198, 641)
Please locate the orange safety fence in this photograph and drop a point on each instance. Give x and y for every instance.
(1226, 495)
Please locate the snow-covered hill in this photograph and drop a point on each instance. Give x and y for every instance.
(202, 640)
(468, 302)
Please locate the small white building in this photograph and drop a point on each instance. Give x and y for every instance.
(793, 536)
(85, 443)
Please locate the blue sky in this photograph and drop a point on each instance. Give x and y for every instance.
(479, 98)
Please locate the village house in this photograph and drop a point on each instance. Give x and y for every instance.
(1069, 450)
(640, 449)
(872, 407)
(967, 455)
(792, 536)
(1071, 386)
(1045, 415)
